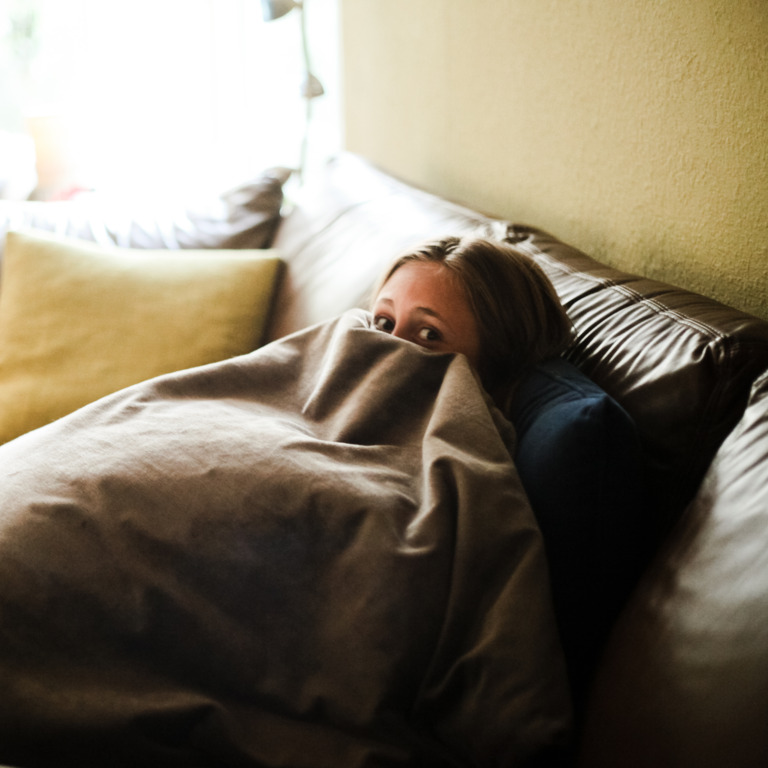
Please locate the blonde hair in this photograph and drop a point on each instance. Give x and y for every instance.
(520, 318)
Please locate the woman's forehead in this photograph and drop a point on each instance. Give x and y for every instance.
(429, 279)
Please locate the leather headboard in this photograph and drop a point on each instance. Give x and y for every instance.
(681, 364)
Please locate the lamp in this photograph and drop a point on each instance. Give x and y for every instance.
(311, 87)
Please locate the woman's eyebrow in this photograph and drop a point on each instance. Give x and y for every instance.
(423, 310)
(430, 312)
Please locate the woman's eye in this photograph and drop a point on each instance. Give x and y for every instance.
(429, 334)
(383, 323)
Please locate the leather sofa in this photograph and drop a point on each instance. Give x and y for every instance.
(680, 664)
(681, 678)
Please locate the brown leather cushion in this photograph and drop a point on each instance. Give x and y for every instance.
(681, 364)
(685, 678)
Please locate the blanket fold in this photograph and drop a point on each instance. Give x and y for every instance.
(317, 554)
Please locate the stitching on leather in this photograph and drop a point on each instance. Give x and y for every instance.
(724, 348)
(634, 296)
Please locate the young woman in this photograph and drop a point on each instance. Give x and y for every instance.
(484, 299)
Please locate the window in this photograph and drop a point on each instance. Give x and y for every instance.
(155, 94)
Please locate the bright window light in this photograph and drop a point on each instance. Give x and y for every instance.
(155, 95)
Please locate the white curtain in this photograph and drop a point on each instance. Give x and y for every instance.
(171, 94)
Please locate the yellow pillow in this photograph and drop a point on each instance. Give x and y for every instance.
(79, 321)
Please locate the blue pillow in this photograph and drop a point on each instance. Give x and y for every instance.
(579, 461)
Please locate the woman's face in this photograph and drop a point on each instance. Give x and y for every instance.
(425, 303)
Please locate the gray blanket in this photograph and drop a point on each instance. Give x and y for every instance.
(317, 554)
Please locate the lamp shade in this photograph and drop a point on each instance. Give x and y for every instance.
(274, 9)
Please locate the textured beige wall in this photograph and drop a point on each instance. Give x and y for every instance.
(636, 130)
